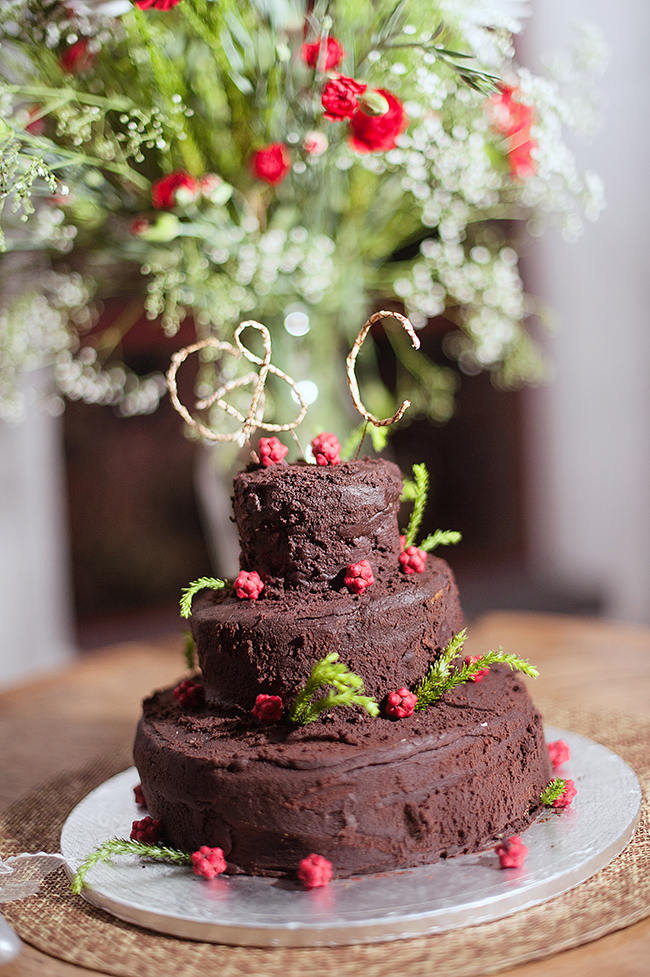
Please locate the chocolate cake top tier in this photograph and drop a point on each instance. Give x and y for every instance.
(304, 524)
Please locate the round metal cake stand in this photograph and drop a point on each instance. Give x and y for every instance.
(565, 848)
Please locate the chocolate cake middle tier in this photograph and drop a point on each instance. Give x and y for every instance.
(389, 635)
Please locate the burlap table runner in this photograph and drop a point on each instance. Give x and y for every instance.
(64, 926)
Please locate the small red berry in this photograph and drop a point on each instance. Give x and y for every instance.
(512, 852)
(139, 796)
(567, 795)
(208, 862)
(314, 871)
(268, 708)
(479, 675)
(189, 694)
(271, 451)
(400, 704)
(248, 585)
(327, 450)
(559, 753)
(412, 559)
(146, 830)
(359, 577)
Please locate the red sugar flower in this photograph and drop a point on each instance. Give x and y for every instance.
(567, 795)
(331, 54)
(327, 450)
(479, 675)
(268, 708)
(400, 704)
(271, 163)
(314, 871)
(146, 830)
(512, 852)
(156, 4)
(271, 451)
(208, 862)
(76, 59)
(248, 585)
(559, 753)
(165, 192)
(377, 133)
(189, 694)
(412, 559)
(139, 796)
(340, 98)
(359, 577)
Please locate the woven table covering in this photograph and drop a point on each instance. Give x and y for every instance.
(65, 926)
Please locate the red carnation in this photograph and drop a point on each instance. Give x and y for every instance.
(77, 59)
(272, 163)
(271, 451)
(326, 448)
(377, 133)
(164, 192)
(146, 830)
(480, 675)
(567, 795)
(412, 560)
(359, 577)
(511, 852)
(208, 862)
(400, 704)
(248, 585)
(507, 115)
(330, 56)
(340, 98)
(559, 752)
(268, 708)
(314, 871)
(156, 4)
(189, 694)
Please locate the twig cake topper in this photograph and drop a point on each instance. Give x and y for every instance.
(254, 419)
(352, 359)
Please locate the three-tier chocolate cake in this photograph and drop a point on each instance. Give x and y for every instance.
(369, 793)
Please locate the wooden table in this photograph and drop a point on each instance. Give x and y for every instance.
(58, 722)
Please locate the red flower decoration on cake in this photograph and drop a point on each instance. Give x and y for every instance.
(268, 708)
(327, 450)
(272, 163)
(189, 694)
(208, 862)
(248, 585)
(271, 451)
(377, 133)
(164, 192)
(567, 795)
(359, 577)
(512, 852)
(400, 704)
(331, 54)
(314, 871)
(156, 4)
(559, 753)
(139, 796)
(76, 59)
(340, 98)
(146, 830)
(412, 559)
(479, 675)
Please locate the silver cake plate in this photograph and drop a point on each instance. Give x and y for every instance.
(565, 848)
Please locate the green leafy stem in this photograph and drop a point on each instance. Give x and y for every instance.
(188, 593)
(553, 790)
(329, 671)
(416, 490)
(120, 846)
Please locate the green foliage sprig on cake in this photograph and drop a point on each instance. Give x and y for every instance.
(147, 123)
(446, 674)
(189, 651)
(441, 537)
(189, 593)
(553, 790)
(416, 490)
(122, 846)
(329, 672)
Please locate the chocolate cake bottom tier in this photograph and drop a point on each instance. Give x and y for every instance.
(368, 794)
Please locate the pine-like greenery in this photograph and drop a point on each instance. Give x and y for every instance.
(421, 481)
(553, 790)
(188, 593)
(441, 537)
(189, 651)
(329, 671)
(122, 846)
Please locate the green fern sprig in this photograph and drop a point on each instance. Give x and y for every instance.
(120, 846)
(421, 480)
(189, 651)
(188, 593)
(553, 790)
(409, 490)
(329, 671)
(442, 677)
(441, 537)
